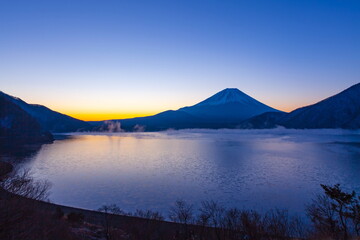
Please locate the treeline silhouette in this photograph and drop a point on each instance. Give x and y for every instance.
(334, 214)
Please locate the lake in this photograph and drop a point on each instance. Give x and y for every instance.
(257, 169)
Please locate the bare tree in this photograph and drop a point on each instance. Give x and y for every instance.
(252, 226)
(22, 218)
(341, 204)
(355, 215)
(332, 212)
(149, 214)
(297, 228)
(214, 213)
(150, 227)
(109, 212)
(232, 223)
(182, 213)
(23, 184)
(276, 223)
(323, 216)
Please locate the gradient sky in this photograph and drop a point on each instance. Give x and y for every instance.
(97, 59)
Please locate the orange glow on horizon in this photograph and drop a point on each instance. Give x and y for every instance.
(291, 108)
(101, 116)
(284, 109)
(107, 116)
(110, 116)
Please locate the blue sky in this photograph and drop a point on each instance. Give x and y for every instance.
(104, 59)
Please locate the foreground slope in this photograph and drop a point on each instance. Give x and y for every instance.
(48, 119)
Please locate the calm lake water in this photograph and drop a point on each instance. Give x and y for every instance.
(257, 169)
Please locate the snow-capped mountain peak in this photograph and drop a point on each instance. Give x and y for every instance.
(228, 95)
(228, 105)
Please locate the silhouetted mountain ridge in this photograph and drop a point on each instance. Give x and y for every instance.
(339, 111)
(263, 121)
(229, 108)
(48, 119)
(18, 127)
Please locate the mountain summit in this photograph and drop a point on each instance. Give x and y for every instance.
(227, 95)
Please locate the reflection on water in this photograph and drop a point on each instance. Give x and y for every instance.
(18, 153)
(252, 169)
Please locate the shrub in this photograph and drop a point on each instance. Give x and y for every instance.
(75, 217)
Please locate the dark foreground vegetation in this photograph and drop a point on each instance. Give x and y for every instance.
(26, 214)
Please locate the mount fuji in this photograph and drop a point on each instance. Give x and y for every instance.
(228, 106)
(225, 109)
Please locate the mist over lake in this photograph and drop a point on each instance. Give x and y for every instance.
(254, 169)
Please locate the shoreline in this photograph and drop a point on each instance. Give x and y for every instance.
(124, 222)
